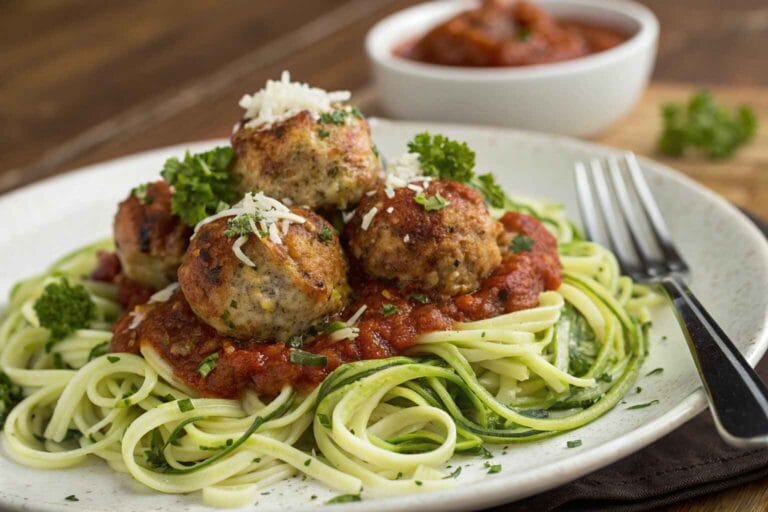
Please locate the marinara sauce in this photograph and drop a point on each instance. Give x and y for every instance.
(499, 33)
(392, 321)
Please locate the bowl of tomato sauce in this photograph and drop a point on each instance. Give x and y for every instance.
(572, 67)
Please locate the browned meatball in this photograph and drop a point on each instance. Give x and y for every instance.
(149, 240)
(321, 165)
(444, 251)
(292, 286)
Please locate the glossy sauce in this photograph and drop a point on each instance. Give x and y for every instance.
(184, 341)
(504, 34)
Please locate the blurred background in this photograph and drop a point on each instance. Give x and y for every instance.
(85, 81)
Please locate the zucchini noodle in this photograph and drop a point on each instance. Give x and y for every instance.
(381, 427)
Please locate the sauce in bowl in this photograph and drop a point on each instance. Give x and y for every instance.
(503, 34)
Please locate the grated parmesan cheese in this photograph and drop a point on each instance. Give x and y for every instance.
(264, 215)
(164, 294)
(390, 209)
(283, 99)
(354, 318)
(407, 238)
(368, 218)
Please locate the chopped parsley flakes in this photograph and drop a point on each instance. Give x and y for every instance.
(521, 243)
(344, 498)
(325, 235)
(185, 405)
(240, 225)
(573, 444)
(431, 203)
(389, 309)
(642, 406)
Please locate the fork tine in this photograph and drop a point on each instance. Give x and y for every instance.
(655, 219)
(626, 260)
(652, 266)
(586, 202)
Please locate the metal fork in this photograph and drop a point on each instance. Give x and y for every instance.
(618, 193)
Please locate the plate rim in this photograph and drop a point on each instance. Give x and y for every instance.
(488, 492)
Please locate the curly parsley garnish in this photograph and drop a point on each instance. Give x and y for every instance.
(522, 243)
(431, 203)
(705, 125)
(449, 159)
(10, 395)
(63, 308)
(202, 184)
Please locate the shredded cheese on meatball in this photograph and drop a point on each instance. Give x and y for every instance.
(368, 218)
(405, 172)
(266, 216)
(283, 99)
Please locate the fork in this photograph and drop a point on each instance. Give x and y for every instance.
(737, 397)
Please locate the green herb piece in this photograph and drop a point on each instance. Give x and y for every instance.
(642, 406)
(573, 444)
(140, 193)
(493, 468)
(313, 497)
(185, 405)
(454, 474)
(356, 112)
(208, 364)
(523, 33)
(535, 413)
(705, 125)
(307, 358)
(344, 498)
(521, 243)
(98, 351)
(308, 462)
(432, 203)
(389, 309)
(62, 309)
(113, 359)
(443, 158)
(201, 184)
(605, 377)
(155, 456)
(71, 497)
(58, 362)
(323, 133)
(295, 341)
(399, 475)
(655, 371)
(486, 185)
(335, 117)
(418, 482)
(334, 326)
(325, 235)
(420, 298)
(10, 395)
(324, 420)
(638, 389)
(241, 225)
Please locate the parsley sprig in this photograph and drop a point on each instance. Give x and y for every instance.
(449, 159)
(705, 125)
(202, 184)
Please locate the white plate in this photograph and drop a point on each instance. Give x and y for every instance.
(727, 254)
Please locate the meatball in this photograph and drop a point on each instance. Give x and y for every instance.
(419, 241)
(293, 285)
(149, 240)
(314, 163)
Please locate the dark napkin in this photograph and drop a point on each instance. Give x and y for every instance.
(689, 462)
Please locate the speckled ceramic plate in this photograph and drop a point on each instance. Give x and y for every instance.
(727, 254)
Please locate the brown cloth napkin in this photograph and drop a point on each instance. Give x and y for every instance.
(689, 462)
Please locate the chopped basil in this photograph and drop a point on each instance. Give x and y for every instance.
(323, 133)
(72, 497)
(308, 462)
(655, 371)
(335, 117)
(98, 351)
(420, 297)
(307, 358)
(344, 498)
(389, 309)
(455, 474)
(208, 364)
(324, 420)
(573, 444)
(643, 406)
(521, 243)
(432, 203)
(418, 482)
(493, 468)
(605, 377)
(113, 359)
(185, 405)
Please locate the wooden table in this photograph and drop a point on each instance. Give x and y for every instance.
(82, 82)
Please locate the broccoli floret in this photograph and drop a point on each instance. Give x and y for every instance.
(10, 395)
(63, 308)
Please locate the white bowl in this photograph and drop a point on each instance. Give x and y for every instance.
(576, 97)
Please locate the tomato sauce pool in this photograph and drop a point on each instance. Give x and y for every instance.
(503, 34)
(390, 325)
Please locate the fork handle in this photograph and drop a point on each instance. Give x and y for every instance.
(737, 397)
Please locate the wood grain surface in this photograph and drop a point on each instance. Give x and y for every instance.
(83, 81)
